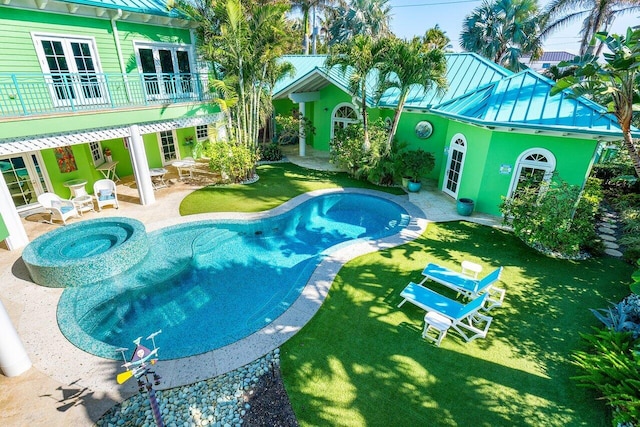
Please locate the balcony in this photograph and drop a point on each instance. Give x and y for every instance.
(33, 94)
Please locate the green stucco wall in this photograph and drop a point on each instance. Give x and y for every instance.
(18, 44)
(4, 232)
(488, 151)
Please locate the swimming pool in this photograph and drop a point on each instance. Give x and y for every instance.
(207, 284)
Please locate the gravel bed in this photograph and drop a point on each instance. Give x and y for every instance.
(222, 401)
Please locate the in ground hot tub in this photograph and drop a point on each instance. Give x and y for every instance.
(85, 252)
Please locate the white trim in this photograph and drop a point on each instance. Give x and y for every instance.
(336, 108)
(521, 162)
(462, 148)
(41, 142)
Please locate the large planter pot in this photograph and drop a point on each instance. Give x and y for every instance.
(405, 181)
(464, 206)
(414, 187)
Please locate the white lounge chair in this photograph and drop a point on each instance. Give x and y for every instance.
(105, 193)
(466, 285)
(59, 209)
(465, 318)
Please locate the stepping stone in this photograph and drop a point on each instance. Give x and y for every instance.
(607, 224)
(610, 215)
(608, 237)
(611, 245)
(606, 230)
(613, 252)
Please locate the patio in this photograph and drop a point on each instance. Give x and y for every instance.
(74, 388)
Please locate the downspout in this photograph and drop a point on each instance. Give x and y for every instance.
(116, 39)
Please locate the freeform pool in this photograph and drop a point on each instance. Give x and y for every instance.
(207, 284)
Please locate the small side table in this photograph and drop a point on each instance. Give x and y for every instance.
(157, 177)
(83, 203)
(77, 187)
(108, 170)
(439, 323)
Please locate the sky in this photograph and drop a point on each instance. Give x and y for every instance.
(414, 17)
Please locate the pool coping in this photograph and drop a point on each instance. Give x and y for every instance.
(62, 361)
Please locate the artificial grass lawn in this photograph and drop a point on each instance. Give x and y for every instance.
(361, 359)
(278, 183)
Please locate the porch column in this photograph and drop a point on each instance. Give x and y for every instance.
(14, 359)
(17, 234)
(302, 136)
(140, 166)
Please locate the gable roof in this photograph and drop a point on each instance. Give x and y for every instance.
(524, 100)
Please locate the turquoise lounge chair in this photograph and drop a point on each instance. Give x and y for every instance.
(464, 317)
(466, 285)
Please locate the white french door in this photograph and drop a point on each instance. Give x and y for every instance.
(71, 70)
(168, 147)
(166, 70)
(455, 163)
(24, 177)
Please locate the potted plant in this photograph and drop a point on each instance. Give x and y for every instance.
(107, 155)
(417, 163)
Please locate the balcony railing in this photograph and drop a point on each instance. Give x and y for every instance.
(30, 94)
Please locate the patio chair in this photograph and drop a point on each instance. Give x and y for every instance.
(105, 193)
(465, 318)
(59, 209)
(468, 286)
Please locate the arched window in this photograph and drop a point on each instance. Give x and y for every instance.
(343, 115)
(455, 162)
(533, 167)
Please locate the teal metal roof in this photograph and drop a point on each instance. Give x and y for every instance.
(152, 7)
(465, 72)
(478, 91)
(524, 100)
(311, 74)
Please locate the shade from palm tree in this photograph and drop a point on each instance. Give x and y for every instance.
(503, 31)
(596, 16)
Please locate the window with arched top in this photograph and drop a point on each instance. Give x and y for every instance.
(343, 115)
(533, 167)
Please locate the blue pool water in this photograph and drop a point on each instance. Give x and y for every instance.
(208, 284)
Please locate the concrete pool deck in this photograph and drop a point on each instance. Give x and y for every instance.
(67, 386)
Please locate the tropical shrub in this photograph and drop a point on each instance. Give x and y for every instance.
(417, 163)
(271, 152)
(622, 317)
(349, 151)
(554, 218)
(233, 161)
(291, 127)
(611, 366)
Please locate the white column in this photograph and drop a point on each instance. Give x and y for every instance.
(14, 359)
(140, 166)
(17, 234)
(302, 136)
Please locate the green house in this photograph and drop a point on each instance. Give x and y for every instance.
(90, 89)
(489, 131)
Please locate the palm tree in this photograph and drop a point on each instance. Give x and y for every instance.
(367, 17)
(435, 38)
(618, 78)
(307, 7)
(410, 63)
(596, 16)
(503, 31)
(359, 56)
